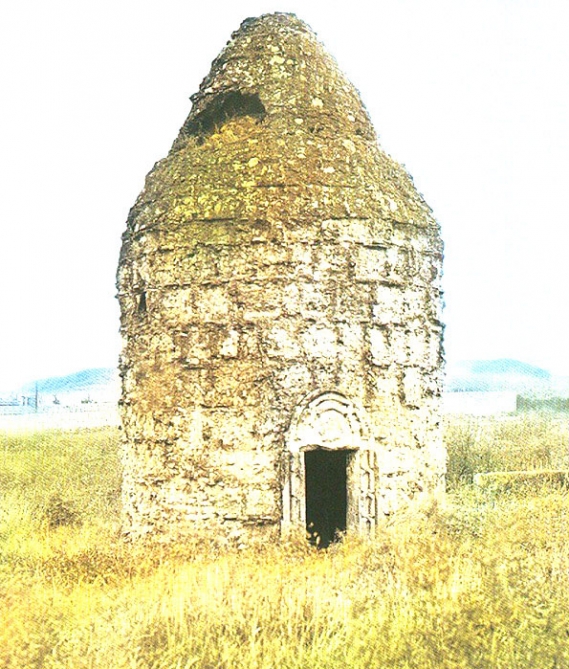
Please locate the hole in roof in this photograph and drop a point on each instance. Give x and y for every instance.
(222, 108)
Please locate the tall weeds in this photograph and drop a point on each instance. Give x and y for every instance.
(529, 441)
(474, 581)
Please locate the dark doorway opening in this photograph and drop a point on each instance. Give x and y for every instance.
(326, 495)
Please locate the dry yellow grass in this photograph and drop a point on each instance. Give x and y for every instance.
(475, 581)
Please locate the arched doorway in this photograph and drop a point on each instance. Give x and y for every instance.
(329, 486)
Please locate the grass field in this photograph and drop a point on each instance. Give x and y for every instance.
(478, 580)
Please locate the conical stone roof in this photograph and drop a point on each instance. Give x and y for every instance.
(276, 131)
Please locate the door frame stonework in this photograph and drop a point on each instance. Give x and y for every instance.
(330, 421)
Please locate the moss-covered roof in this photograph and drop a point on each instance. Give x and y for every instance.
(276, 132)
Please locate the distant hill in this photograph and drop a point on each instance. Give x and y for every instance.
(88, 387)
(88, 398)
(82, 381)
(501, 375)
(507, 366)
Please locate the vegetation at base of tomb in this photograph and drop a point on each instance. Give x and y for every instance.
(477, 580)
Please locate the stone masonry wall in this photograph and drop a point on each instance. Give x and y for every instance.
(276, 253)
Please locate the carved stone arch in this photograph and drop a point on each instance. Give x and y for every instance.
(329, 421)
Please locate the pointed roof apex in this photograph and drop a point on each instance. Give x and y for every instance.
(274, 66)
(277, 18)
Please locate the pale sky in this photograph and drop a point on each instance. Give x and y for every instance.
(471, 96)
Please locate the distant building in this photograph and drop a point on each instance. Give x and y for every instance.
(11, 401)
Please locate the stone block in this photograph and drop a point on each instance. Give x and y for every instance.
(412, 386)
(371, 263)
(380, 349)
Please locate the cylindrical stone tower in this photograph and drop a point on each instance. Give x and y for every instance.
(279, 285)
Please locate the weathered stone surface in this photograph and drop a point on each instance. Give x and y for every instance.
(279, 285)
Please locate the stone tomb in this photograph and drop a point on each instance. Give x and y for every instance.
(279, 286)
